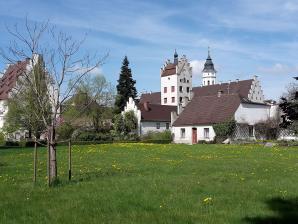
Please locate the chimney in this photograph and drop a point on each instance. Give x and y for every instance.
(146, 106)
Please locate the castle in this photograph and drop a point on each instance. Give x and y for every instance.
(190, 112)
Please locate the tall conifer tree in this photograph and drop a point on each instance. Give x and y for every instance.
(126, 86)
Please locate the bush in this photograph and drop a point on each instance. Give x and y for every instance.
(93, 136)
(224, 130)
(158, 137)
(2, 138)
(65, 131)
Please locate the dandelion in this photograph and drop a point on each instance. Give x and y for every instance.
(207, 200)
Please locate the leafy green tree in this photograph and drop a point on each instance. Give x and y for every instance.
(130, 122)
(126, 86)
(23, 110)
(91, 103)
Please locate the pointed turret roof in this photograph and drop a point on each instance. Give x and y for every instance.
(209, 66)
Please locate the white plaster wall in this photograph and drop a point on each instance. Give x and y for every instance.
(168, 81)
(151, 126)
(208, 76)
(252, 113)
(188, 134)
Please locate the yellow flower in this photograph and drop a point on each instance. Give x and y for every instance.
(207, 200)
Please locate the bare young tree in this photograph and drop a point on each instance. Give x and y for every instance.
(65, 66)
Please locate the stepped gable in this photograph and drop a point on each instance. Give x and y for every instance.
(8, 81)
(209, 110)
(152, 98)
(238, 87)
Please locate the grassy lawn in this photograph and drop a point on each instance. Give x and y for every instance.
(144, 183)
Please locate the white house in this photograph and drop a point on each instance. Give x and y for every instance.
(151, 117)
(196, 109)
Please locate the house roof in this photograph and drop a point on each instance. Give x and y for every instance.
(152, 98)
(8, 81)
(170, 69)
(209, 110)
(156, 112)
(241, 87)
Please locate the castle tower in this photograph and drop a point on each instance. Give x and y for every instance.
(176, 81)
(209, 72)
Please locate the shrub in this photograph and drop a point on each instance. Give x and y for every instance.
(65, 131)
(224, 130)
(2, 138)
(93, 136)
(158, 137)
(268, 129)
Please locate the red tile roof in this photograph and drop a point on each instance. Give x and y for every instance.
(170, 69)
(152, 98)
(209, 110)
(156, 112)
(8, 81)
(241, 87)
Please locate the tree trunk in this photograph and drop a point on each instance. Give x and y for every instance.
(53, 161)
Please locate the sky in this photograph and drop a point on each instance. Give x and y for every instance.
(246, 37)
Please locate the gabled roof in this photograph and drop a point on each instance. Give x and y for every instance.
(156, 112)
(8, 81)
(241, 87)
(152, 98)
(170, 69)
(209, 110)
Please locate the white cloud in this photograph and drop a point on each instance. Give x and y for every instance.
(197, 67)
(279, 69)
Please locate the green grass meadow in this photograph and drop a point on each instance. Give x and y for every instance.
(152, 183)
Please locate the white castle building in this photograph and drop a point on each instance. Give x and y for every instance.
(190, 112)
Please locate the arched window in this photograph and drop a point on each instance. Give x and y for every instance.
(213, 82)
(208, 82)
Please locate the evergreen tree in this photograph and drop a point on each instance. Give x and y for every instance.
(126, 86)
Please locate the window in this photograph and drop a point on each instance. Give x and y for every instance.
(167, 126)
(157, 125)
(208, 82)
(173, 88)
(165, 89)
(173, 99)
(187, 81)
(206, 132)
(213, 82)
(184, 80)
(169, 78)
(180, 99)
(251, 130)
(165, 100)
(180, 89)
(187, 89)
(182, 133)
